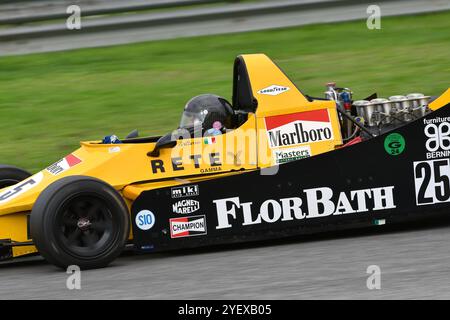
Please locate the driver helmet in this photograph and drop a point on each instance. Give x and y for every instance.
(207, 112)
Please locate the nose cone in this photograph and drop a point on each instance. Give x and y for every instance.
(19, 196)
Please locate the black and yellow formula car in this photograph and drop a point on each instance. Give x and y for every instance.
(287, 164)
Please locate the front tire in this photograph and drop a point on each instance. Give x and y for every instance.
(80, 221)
(10, 175)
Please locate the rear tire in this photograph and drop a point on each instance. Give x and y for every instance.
(80, 221)
(10, 175)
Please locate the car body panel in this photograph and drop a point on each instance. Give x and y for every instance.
(360, 185)
(260, 142)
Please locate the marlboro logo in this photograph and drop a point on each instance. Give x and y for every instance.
(299, 128)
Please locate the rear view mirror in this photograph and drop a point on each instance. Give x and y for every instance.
(164, 142)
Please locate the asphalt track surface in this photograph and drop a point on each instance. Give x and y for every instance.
(414, 260)
(218, 26)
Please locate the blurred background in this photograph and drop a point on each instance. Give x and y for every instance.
(134, 64)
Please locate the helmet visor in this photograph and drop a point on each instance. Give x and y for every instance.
(192, 119)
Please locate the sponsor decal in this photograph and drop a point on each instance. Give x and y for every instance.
(185, 191)
(379, 222)
(145, 220)
(187, 227)
(186, 206)
(209, 140)
(210, 170)
(20, 188)
(64, 164)
(316, 203)
(394, 144)
(432, 181)
(177, 164)
(291, 154)
(299, 128)
(437, 131)
(188, 143)
(273, 90)
(114, 149)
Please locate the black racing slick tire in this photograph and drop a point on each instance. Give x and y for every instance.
(80, 221)
(10, 175)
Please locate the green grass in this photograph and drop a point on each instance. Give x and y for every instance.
(48, 102)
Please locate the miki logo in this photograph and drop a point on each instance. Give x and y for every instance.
(185, 191)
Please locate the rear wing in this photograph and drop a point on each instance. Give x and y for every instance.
(441, 101)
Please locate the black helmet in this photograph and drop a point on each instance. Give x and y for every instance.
(205, 110)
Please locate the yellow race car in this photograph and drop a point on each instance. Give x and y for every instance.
(273, 163)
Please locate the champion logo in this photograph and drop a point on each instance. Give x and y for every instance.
(64, 164)
(299, 128)
(187, 227)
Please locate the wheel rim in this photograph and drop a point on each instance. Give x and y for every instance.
(7, 182)
(86, 226)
